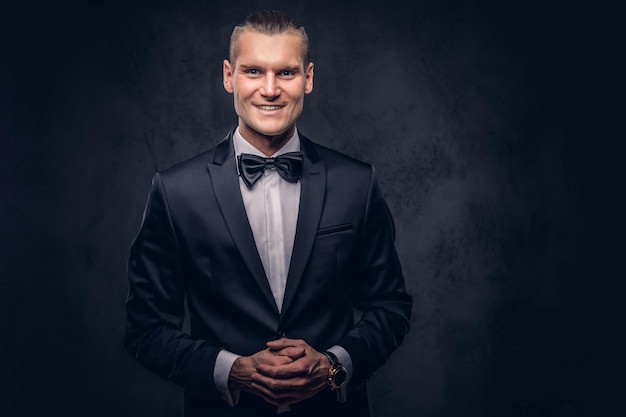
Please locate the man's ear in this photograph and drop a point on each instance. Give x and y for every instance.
(309, 79)
(228, 76)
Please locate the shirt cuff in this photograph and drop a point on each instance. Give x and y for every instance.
(346, 361)
(221, 373)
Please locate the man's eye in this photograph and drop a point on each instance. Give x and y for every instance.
(252, 71)
(286, 73)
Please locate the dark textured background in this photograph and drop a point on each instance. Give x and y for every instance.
(495, 128)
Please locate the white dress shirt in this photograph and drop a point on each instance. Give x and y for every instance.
(272, 206)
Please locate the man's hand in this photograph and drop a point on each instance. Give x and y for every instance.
(287, 372)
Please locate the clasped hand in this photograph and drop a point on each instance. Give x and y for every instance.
(287, 372)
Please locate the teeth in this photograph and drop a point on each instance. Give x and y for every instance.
(269, 107)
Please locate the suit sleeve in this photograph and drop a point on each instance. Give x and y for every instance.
(379, 291)
(155, 302)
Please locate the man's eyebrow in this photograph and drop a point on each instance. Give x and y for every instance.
(294, 68)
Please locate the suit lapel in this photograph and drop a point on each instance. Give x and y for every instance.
(223, 172)
(313, 190)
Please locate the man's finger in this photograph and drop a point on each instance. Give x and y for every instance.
(282, 387)
(284, 342)
(290, 370)
(291, 352)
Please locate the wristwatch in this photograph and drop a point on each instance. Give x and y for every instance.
(337, 374)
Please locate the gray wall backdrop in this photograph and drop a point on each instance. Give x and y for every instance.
(494, 128)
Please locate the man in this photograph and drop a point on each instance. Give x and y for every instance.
(270, 255)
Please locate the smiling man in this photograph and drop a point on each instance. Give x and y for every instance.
(268, 74)
(273, 242)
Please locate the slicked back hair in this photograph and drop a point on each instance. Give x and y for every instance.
(269, 22)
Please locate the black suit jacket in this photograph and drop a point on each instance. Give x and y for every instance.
(195, 245)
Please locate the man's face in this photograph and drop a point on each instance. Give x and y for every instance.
(268, 80)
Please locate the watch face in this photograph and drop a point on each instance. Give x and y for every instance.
(339, 377)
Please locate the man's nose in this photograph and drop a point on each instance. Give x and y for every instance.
(270, 87)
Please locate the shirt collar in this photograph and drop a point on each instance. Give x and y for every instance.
(243, 146)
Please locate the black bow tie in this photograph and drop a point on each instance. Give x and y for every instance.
(288, 166)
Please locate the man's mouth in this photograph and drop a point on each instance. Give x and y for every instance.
(269, 108)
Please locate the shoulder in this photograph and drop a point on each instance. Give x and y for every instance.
(338, 161)
(195, 166)
(347, 178)
(189, 166)
(344, 173)
(188, 178)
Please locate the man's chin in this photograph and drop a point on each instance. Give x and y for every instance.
(273, 132)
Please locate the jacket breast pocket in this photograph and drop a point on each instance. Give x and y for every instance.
(331, 250)
(334, 229)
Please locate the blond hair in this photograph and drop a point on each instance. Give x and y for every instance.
(269, 22)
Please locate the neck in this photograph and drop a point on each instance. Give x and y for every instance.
(268, 145)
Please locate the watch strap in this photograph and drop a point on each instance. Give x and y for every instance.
(332, 358)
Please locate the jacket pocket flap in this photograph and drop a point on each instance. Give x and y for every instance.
(334, 229)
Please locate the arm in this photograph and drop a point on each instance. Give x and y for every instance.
(155, 303)
(379, 291)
